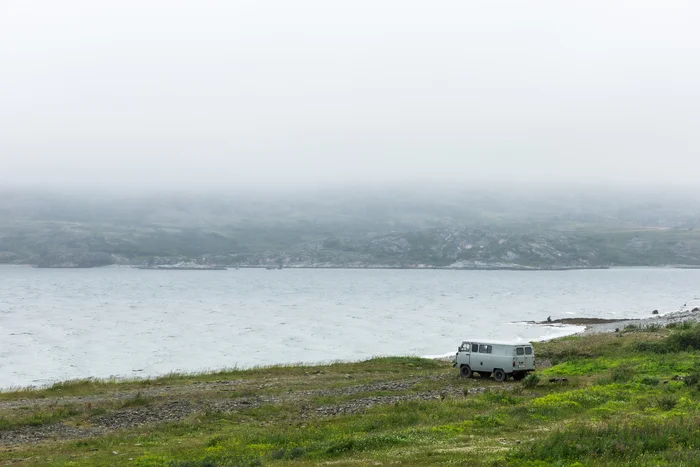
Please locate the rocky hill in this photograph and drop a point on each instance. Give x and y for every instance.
(471, 230)
(481, 249)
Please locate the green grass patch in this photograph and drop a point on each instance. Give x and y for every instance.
(37, 418)
(625, 443)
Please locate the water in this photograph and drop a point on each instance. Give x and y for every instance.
(76, 323)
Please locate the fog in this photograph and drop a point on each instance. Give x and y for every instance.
(184, 94)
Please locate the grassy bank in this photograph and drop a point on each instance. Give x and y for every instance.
(631, 398)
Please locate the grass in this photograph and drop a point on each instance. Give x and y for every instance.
(36, 418)
(646, 441)
(623, 403)
(137, 401)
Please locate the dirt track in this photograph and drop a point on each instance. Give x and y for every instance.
(180, 402)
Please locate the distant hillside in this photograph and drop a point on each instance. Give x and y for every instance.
(482, 249)
(363, 228)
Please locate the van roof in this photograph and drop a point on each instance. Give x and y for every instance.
(497, 342)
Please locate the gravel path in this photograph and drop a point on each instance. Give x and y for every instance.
(177, 403)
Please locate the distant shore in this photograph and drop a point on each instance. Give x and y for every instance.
(375, 267)
(369, 267)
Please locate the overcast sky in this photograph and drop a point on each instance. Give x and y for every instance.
(270, 93)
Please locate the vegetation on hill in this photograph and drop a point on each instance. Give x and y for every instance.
(368, 228)
(628, 398)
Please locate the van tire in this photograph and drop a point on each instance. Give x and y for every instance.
(499, 375)
(465, 371)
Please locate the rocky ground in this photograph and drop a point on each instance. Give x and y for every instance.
(602, 325)
(653, 320)
(102, 414)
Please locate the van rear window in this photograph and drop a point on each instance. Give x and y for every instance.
(528, 350)
(520, 351)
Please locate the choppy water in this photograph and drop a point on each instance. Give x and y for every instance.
(63, 324)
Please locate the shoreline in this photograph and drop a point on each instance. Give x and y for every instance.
(594, 326)
(654, 320)
(325, 267)
(376, 267)
(368, 267)
(607, 325)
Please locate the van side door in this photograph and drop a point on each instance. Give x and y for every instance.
(475, 359)
(483, 361)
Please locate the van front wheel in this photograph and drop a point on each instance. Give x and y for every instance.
(465, 371)
(499, 375)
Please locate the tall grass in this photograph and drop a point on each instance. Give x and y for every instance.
(685, 339)
(622, 442)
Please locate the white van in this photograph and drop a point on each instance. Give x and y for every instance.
(502, 358)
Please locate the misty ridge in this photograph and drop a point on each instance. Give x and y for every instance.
(402, 225)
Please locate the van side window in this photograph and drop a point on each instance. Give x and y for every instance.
(475, 348)
(485, 348)
(528, 350)
(520, 351)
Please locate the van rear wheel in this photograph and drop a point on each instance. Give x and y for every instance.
(465, 371)
(499, 375)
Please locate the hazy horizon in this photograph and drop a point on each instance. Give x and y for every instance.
(270, 95)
